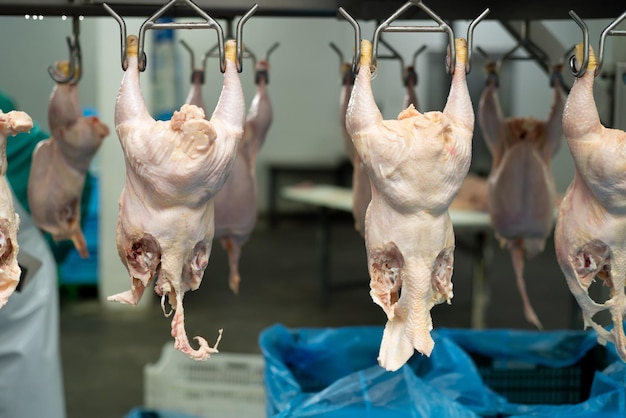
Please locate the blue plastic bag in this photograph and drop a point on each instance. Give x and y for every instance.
(334, 373)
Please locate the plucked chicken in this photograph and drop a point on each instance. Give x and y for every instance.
(416, 165)
(590, 235)
(236, 202)
(361, 188)
(60, 164)
(521, 186)
(11, 124)
(173, 171)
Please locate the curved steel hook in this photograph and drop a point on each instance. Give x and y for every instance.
(442, 27)
(357, 39)
(197, 73)
(572, 61)
(394, 55)
(122, 24)
(470, 39)
(338, 51)
(209, 23)
(240, 24)
(75, 60)
(417, 53)
(607, 32)
(269, 51)
(191, 54)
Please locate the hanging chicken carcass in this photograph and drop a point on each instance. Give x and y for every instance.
(11, 123)
(590, 234)
(173, 171)
(236, 203)
(521, 187)
(416, 165)
(60, 164)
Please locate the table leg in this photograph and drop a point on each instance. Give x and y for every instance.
(323, 240)
(272, 198)
(480, 285)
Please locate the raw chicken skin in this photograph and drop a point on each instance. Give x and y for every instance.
(236, 202)
(416, 164)
(361, 188)
(590, 235)
(60, 165)
(521, 185)
(11, 124)
(173, 170)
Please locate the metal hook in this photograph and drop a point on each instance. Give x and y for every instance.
(608, 31)
(122, 24)
(151, 23)
(442, 27)
(470, 39)
(240, 24)
(417, 53)
(75, 57)
(247, 53)
(572, 61)
(197, 73)
(338, 51)
(357, 39)
(269, 51)
(394, 55)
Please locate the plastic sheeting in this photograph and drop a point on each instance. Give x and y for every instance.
(334, 373)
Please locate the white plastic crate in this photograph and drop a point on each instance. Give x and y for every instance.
(224, 385)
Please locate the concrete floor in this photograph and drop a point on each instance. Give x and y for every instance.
(104, 351)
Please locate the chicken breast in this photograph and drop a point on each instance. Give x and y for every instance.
(416, 165)
(173, 171)
(590, 235)
(11, 123)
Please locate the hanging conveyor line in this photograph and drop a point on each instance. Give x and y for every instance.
(359, 9)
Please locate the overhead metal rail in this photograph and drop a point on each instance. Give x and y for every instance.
(359, 9)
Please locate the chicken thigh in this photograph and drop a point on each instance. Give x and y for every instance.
(521, 185)
(60, 164)
(173, 171)
(236, 202)
(590, 234)
(11, 124)
(416, 165)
